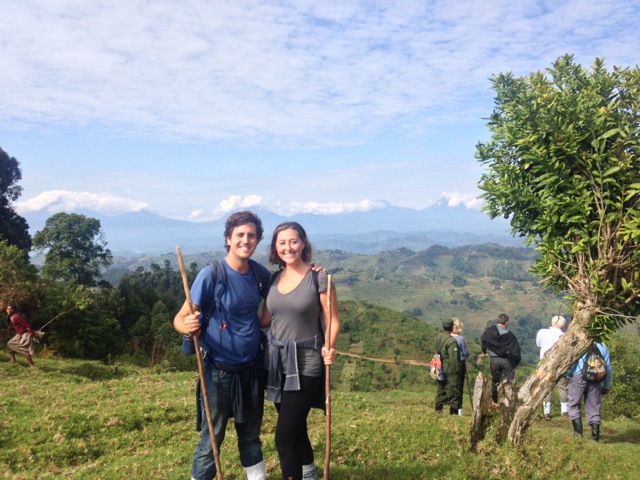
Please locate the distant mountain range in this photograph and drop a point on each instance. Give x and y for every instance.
(387, 228)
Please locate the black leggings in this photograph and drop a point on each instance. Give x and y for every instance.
(292, 440)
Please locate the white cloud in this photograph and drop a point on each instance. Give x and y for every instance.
(195, 215)
(330, 208)
(64, 201)
(235, 202)
(455, 199)
(293, 73)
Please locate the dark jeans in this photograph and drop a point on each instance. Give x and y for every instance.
(292, 440)
(501, 369)
(221, 402)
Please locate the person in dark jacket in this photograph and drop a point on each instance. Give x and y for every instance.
(449, 389)
(504, 352)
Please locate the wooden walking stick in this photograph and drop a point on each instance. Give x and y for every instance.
(466, 376)
(203, 383)
(327, 387)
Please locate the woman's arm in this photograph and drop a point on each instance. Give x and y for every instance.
(264, 317)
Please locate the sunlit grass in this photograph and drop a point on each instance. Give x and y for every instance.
(85, 420)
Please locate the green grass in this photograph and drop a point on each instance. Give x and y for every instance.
(85, 420)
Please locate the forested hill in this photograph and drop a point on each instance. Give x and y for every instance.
(473, 283)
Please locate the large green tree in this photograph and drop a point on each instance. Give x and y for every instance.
(562, 164)
(75, 248)
(18, 277)
(13, 228)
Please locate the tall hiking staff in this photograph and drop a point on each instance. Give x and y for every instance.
(466, 376)
(205, 393)
(327, 386)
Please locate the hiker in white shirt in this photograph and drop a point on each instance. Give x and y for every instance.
(545, 339)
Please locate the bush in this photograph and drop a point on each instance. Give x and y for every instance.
(624, 398)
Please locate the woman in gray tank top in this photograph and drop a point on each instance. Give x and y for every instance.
(295, 305)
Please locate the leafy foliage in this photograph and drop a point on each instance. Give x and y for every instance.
(18, 278)
(75, 248)
(13, 228)
(624, 398)
(563, 165)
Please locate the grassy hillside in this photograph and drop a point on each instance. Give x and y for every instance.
(472, 283)
(85, 420)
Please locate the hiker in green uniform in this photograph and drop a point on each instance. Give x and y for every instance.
(449, 389)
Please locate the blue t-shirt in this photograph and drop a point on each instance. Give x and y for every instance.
(233, 334)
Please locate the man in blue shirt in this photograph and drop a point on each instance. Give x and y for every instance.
(592, 392)
(232, 339)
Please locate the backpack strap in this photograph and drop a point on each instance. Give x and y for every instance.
(316, 284)
(220, 284)
(255, 267)
(220, 281)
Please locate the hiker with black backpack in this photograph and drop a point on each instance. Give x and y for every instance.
(590, 378)
(450, 387)
(503, 349)
(300, 306)
(226, 297)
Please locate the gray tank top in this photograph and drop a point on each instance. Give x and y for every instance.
(296, 316)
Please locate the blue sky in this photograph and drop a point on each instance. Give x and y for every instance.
(193, 108)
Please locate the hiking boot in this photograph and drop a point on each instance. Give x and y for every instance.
(595, 432)
(577, 427)
(453, 411)
(547, 416)
(565, 414)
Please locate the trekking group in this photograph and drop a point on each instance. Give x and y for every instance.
(586, 381)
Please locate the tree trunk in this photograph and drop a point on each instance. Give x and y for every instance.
(482, 407)
(517, 406)
(567, 351)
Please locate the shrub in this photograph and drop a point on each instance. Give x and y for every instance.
(624, 397)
